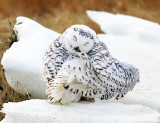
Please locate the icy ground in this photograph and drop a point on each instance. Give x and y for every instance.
(129, 39)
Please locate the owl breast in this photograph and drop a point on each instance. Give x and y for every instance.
(76, 68)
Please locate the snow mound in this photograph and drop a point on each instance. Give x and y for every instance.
(39, 111)
(122, 25)
(23, 61)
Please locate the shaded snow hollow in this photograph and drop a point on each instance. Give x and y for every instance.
(129, 39)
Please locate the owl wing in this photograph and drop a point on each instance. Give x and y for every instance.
(53, 60)
(122, 77)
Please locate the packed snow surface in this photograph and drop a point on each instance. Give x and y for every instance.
(129, 39)
(39, 111)
(23, 61)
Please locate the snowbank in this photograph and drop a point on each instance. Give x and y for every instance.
(124, 25)
(23, 61)
(126, 43)
(39, 111)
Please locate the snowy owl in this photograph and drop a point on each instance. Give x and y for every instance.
(78, 65)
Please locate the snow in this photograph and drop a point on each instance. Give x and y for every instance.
(124, 25)
(127, 44)
(36, 111)
(23, 61)
(143, 56)
(129, 39)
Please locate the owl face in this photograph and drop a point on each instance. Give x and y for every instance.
(79, 39)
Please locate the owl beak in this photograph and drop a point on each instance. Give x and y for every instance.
(77, 49)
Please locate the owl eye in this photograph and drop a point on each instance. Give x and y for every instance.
(85, 43)
(74, 38)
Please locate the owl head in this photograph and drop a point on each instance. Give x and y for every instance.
(79, 38)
